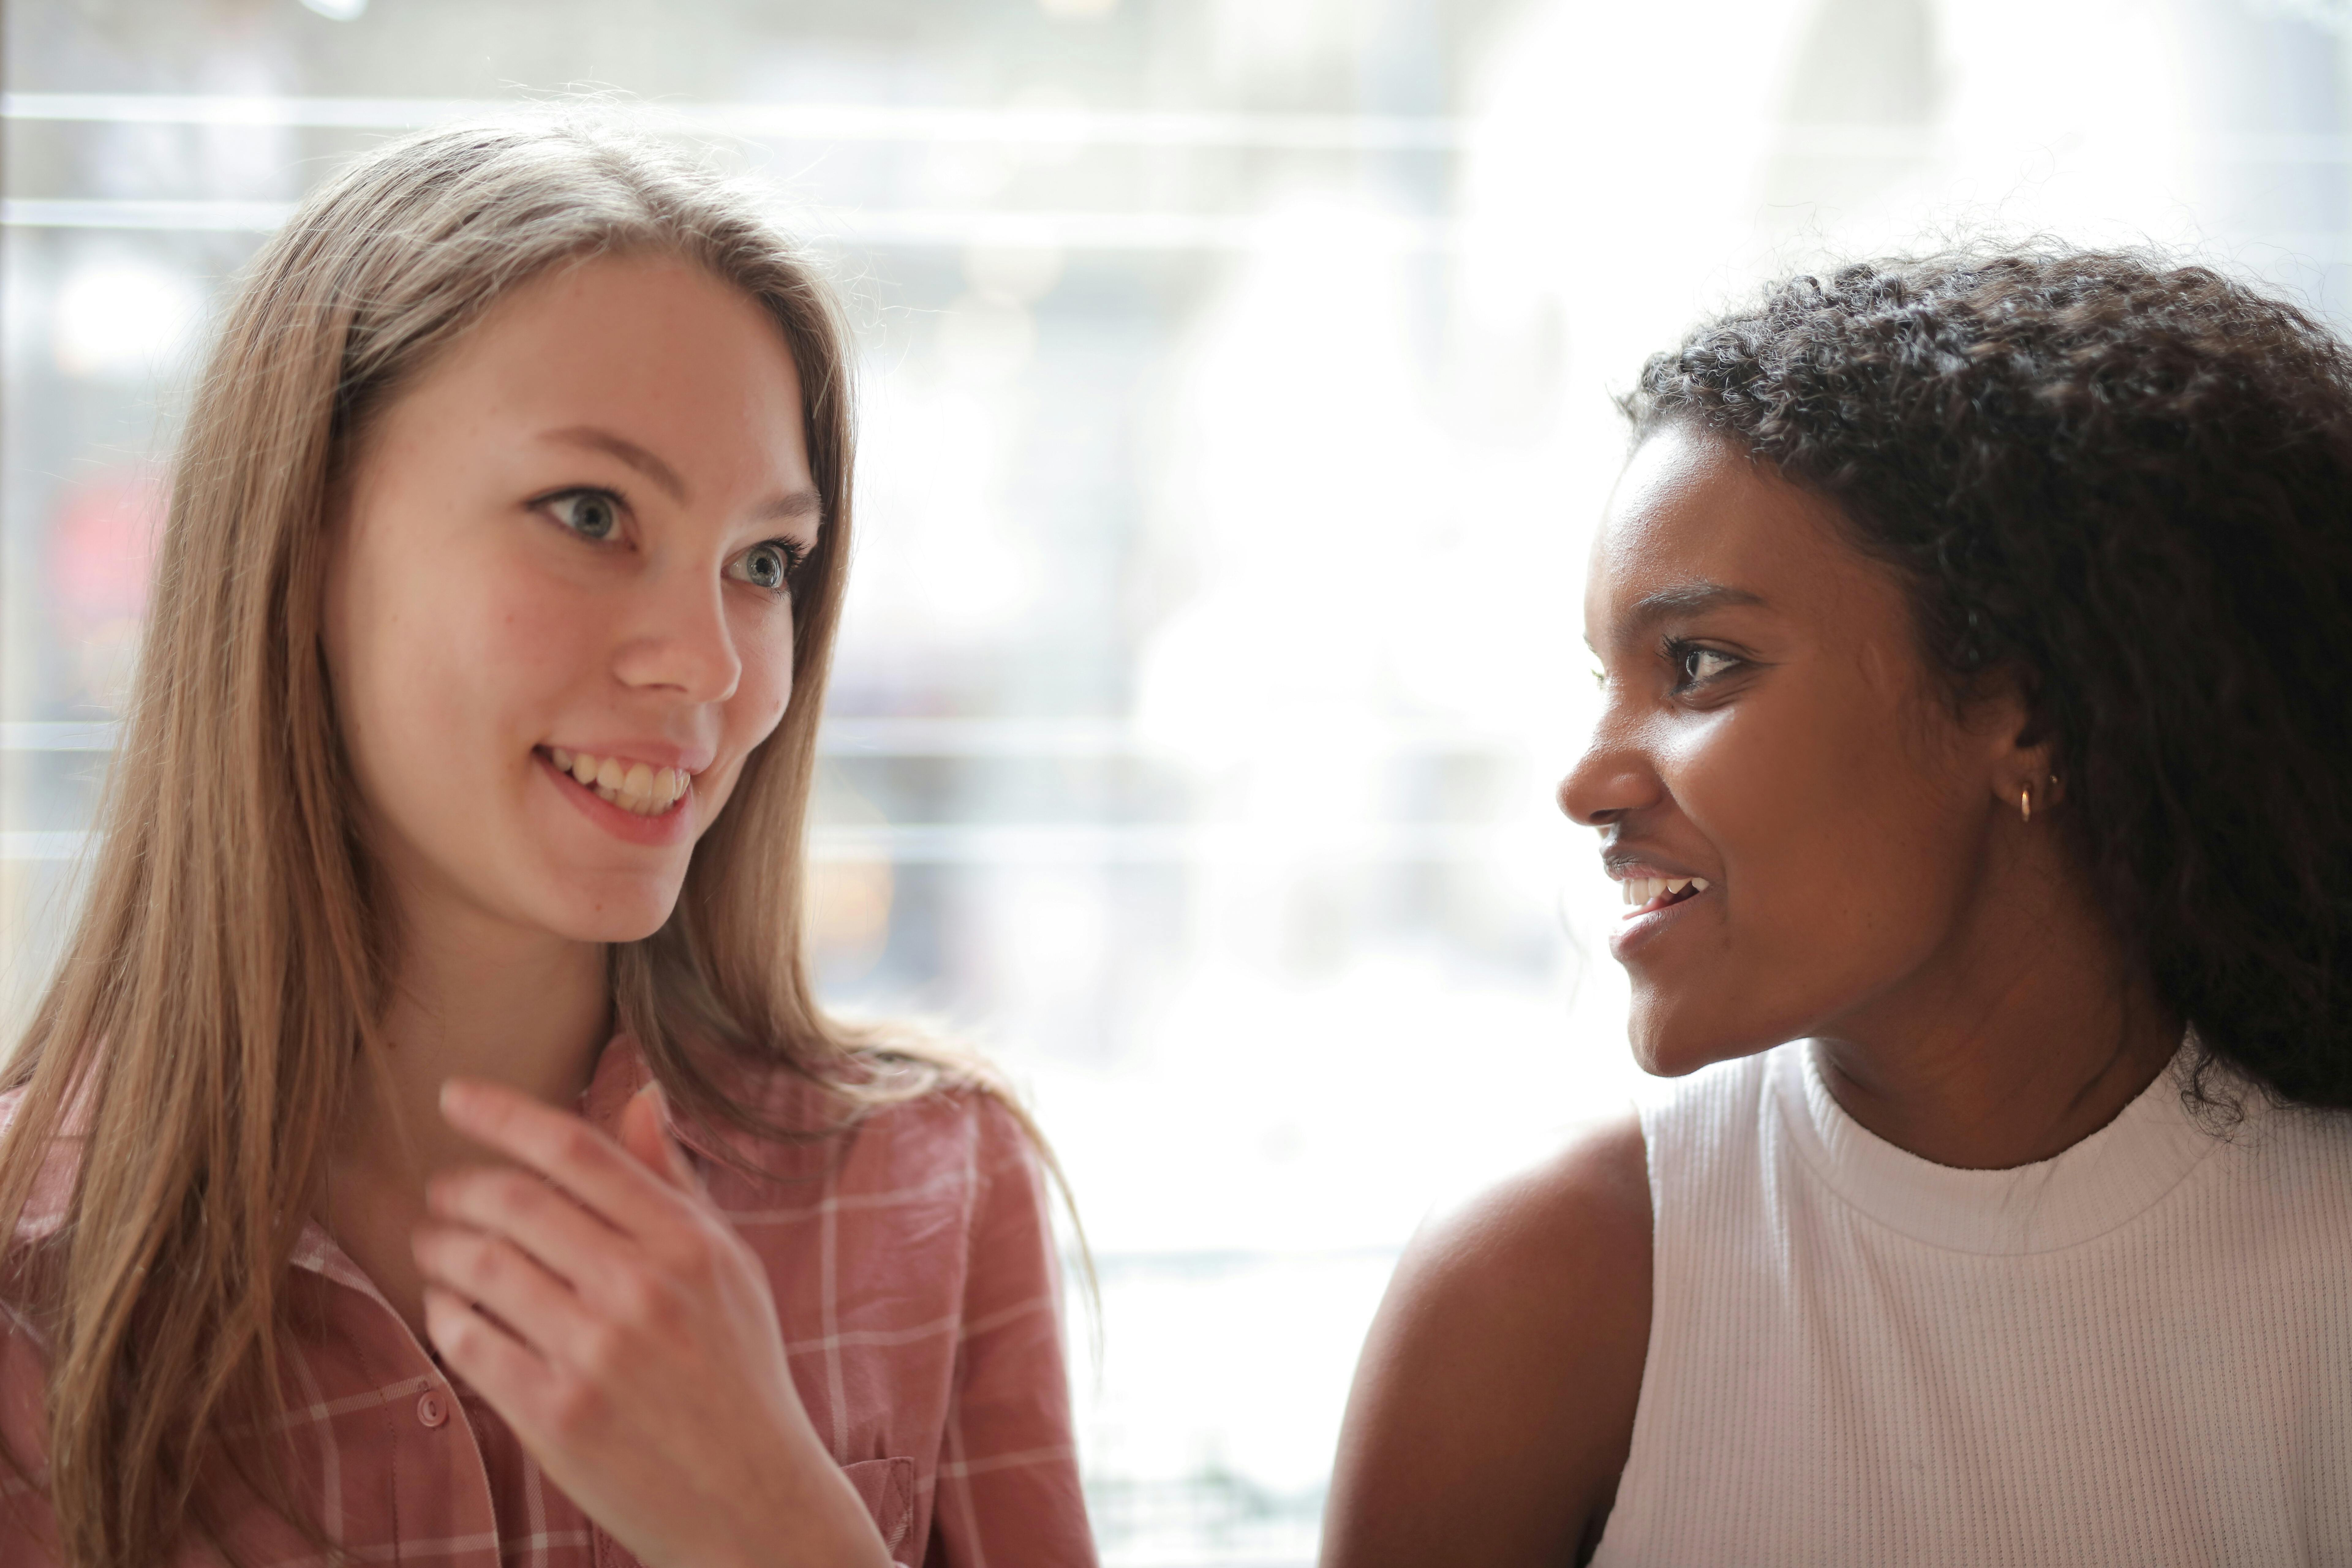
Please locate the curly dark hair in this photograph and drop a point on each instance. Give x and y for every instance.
(2128, 484)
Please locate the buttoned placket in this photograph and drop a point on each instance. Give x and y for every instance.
(436, 1416)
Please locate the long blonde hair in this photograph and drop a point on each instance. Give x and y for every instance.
(221, 989)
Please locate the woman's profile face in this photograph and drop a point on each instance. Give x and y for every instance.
(1768, 730)
(557, 615)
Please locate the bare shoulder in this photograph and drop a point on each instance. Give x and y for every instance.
(1494, 1405)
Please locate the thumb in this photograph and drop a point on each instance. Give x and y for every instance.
(644, 1136)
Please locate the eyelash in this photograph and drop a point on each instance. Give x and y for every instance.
(796, 556)
(548, 503)
(1679, 655)
(794, 552)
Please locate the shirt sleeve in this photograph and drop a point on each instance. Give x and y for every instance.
(1008, 1475)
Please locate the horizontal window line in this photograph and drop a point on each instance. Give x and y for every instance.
(89, 737)
(188, 217)
(1215, 1263)
(1078, 844)
(1047, 126)
(66, 845)
(851, 738)
(881, 739)
(1163, 844)
(1033, 126)
(1354, 233)
(907, 227)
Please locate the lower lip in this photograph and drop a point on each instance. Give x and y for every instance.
(1647, 928)
(675, 825)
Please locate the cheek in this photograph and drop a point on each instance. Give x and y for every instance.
(1822, 802)
(762, 694)
(525, 638)
(765, 691)
(486, 647)
(1782, 799)
(441, 664)
(1843, 859)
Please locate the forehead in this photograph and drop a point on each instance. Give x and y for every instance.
(655, 351)
(1692, 513)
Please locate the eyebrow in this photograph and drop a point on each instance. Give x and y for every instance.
(627, 451)
(793, 505)
(1687, 599)
(1683, 599)
(789, 507)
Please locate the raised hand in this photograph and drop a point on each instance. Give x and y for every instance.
(610, 1314)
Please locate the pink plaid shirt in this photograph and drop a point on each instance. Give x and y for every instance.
(914, 1272)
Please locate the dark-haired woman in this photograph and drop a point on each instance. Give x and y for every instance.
(1976, 642)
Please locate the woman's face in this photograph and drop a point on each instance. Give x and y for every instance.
(563, 557)
(1770, 732)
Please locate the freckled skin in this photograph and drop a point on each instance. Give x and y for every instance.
(466, 627)
(565, 533)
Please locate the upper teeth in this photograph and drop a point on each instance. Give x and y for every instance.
(632, 786)
(1642, 889)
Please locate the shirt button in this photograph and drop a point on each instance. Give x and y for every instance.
(432, 1409)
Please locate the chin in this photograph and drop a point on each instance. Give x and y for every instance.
(607, 932)
(1671, 1041)
(611, 915)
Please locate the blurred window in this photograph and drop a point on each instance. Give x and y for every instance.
(1236, 381)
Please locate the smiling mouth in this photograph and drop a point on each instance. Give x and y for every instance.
(639, 788)
(1650, 894)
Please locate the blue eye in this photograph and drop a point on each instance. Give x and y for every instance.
(768, 565)
(590, 515)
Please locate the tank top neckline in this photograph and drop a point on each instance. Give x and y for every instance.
(2078, 1195)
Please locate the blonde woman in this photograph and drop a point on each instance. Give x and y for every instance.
(429, 1150)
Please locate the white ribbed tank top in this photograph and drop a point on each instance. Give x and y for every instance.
(2136, 1353)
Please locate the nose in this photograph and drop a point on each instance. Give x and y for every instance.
(677, 637)
(1609, 782)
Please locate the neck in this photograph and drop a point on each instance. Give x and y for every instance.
(2029, 1033)
(476, 997)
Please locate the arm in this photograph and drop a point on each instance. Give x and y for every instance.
(1494, 1404)
(1008, 1477)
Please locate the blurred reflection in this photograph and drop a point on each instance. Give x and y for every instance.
(101, 550)
(1236, 391)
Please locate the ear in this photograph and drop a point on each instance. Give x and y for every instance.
(643, 1135)
(2017, 749)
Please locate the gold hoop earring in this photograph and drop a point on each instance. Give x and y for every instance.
(2025, 803)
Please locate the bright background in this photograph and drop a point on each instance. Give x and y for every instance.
(1236, 380)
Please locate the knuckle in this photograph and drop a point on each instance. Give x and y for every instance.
(693, 1255)
(457, 1331)
(527, 1200)
(509, 1189)
(603, 1349)
(666, 1313)
(577, 1144)
(636, 1296)
(491, 1264)
(573, 1403)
